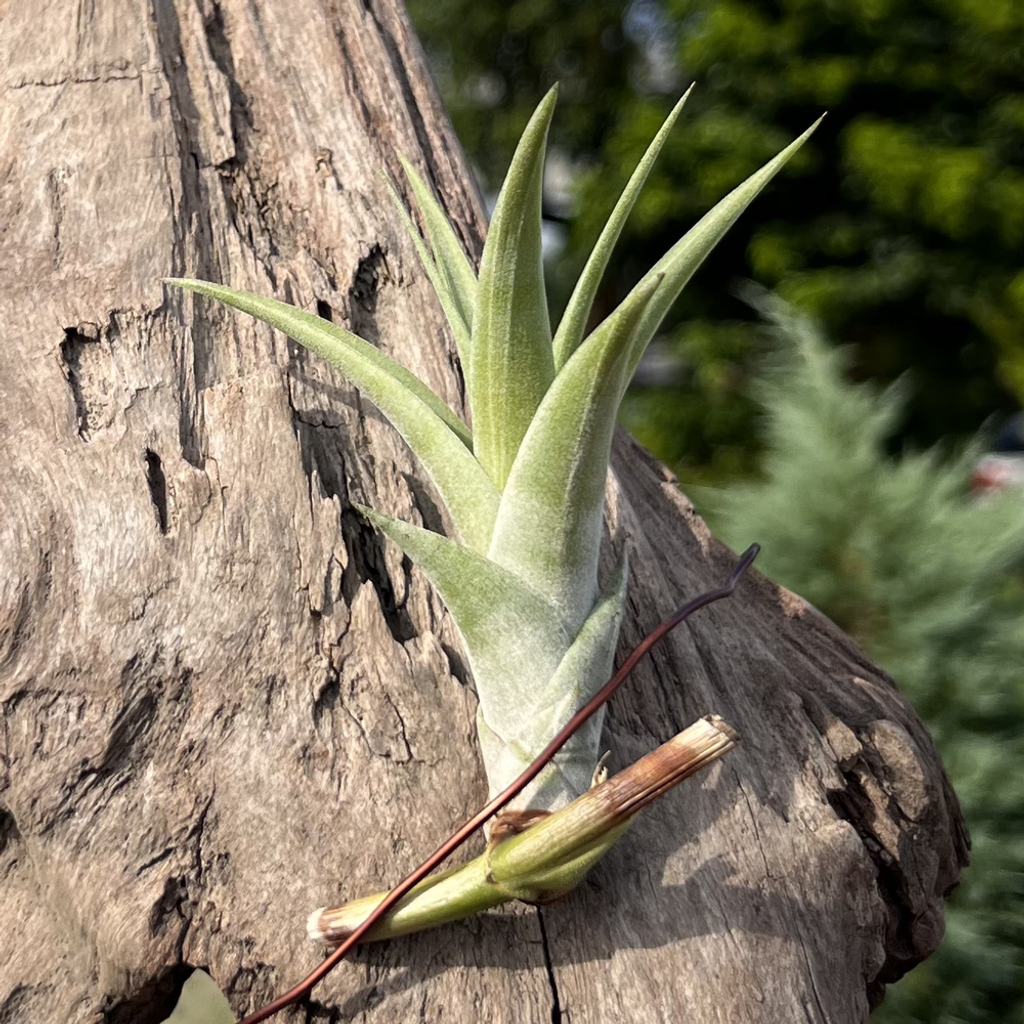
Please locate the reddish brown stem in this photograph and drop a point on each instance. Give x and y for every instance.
(458, 838)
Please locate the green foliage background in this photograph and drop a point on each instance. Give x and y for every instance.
(900, 227)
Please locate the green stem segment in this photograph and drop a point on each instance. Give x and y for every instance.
(548, 859)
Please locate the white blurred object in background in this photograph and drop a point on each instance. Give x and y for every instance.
(1002, 469)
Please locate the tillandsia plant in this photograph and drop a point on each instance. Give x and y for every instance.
(524, 488)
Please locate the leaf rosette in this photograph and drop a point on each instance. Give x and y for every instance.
(524, 488)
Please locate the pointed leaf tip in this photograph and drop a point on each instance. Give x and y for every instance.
(453, 265)
(438, 438)
(512, 361)
(682, 260)
(577, 312)
(438, 276)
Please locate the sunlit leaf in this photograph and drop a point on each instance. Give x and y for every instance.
(439, 280)
(548, 528)
(512, 363)
(514, 638)
(510, 747)
(680, 262)
(449, 255)
(466, 490)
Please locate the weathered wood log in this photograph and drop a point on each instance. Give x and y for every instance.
(227, 701)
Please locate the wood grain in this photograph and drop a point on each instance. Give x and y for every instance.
(226, 700)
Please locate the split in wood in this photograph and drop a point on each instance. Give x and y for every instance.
(547, 859)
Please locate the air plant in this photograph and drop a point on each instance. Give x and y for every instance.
(524, 488)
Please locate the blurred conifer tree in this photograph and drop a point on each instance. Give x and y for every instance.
(931, 583)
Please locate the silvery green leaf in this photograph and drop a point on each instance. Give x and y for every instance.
(328, 340)
(509, 747)
(449, 255)
(680, 262)
(438, 279)
(548, 528)
(512, 363)
(574, 320)
(514, 638)
(411, 407)
(201, 1002)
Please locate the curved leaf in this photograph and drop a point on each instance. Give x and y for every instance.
(512, 364)
(574, 320)
(451, 258)
(548, 528)
(513, 637)
(464, 487)
(325, 338)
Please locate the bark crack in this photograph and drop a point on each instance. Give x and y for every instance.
(856, 805)
(401, 728)
(71, 355)
(240, 113)
(753, 823)
(56, 188)
(192, 233)
(822, 1015)
(108, 76)
(156, 481)
(400, 69)
(557, 1013)
(371, 272)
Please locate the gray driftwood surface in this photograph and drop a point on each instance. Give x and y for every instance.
(226, 701)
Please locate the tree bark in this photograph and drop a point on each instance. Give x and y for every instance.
(227, 701)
